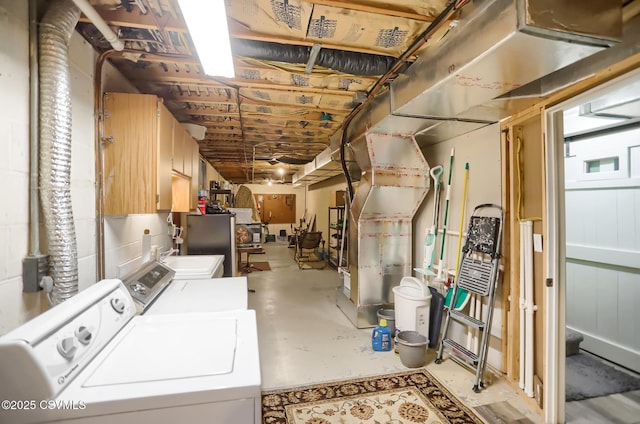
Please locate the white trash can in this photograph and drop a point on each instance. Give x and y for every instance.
(412, 306)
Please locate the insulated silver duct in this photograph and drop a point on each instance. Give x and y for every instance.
(56, 29)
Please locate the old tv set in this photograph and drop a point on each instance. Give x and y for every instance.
(248, 234)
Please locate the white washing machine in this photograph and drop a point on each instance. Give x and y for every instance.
(196, 266)
(210, 295)
(195, 287)
(92, 360)
(185, 284)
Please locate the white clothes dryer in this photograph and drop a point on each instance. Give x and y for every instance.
(91, 360)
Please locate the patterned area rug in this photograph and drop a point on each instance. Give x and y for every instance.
(255, 266)
(408, 397)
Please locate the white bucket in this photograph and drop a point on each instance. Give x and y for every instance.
(412, 306)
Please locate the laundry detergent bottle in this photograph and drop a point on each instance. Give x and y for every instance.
(381, 337)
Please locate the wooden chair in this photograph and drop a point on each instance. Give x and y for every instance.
(306, 245)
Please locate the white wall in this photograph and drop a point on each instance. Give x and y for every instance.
(481, 149)
(14, 164)
(122, 234)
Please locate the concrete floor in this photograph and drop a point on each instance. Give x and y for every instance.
(305, 338)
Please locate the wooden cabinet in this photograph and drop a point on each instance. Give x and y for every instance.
(182, 154)
(195, 174)
(177, 155)
(138, 131)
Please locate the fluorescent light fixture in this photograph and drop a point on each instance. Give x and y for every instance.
(207, 23)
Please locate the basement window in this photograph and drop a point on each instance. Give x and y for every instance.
(611, 164)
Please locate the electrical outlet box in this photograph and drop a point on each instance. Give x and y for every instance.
(33, 269)
(537, 390)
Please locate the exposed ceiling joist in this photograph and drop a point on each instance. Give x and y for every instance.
(372, 9)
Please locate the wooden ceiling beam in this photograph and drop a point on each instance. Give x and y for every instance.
(167, 77)
(220, 121)
(203, 97)
(372, 9)
(238, 30)
(206, 112)
(321, 108)
(121, 18)
(221, 131)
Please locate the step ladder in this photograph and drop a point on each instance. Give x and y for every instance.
(478, 274)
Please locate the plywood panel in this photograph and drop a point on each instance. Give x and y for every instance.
(277, 208)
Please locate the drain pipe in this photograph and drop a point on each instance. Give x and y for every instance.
(99, 23)
(34, 215)
(56, 29)
(34, 266)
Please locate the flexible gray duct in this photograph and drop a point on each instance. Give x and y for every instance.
(56, 29)
(362, 64)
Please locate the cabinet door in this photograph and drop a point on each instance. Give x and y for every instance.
(195, 173)
(165, 140)
(187, 154)
(179, 134)
(130, 123)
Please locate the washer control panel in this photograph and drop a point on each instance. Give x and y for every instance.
(148, 282)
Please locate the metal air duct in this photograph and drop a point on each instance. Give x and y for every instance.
(496, 47)
(56, 29)
(394, 181)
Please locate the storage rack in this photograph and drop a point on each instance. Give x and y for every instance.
(337, 226)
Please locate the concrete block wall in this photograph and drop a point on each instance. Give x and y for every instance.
(123, 234)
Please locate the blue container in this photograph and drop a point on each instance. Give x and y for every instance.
(381, 337)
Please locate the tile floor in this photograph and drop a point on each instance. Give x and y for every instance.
(304, 339)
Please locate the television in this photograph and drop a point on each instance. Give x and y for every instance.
(248, 234)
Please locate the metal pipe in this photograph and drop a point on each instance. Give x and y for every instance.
(99, 23)
(34, 211)
(99, 168)
(56, 29)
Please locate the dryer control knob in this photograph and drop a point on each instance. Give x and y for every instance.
(117, 304)
(83, 334)
(67, 347)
